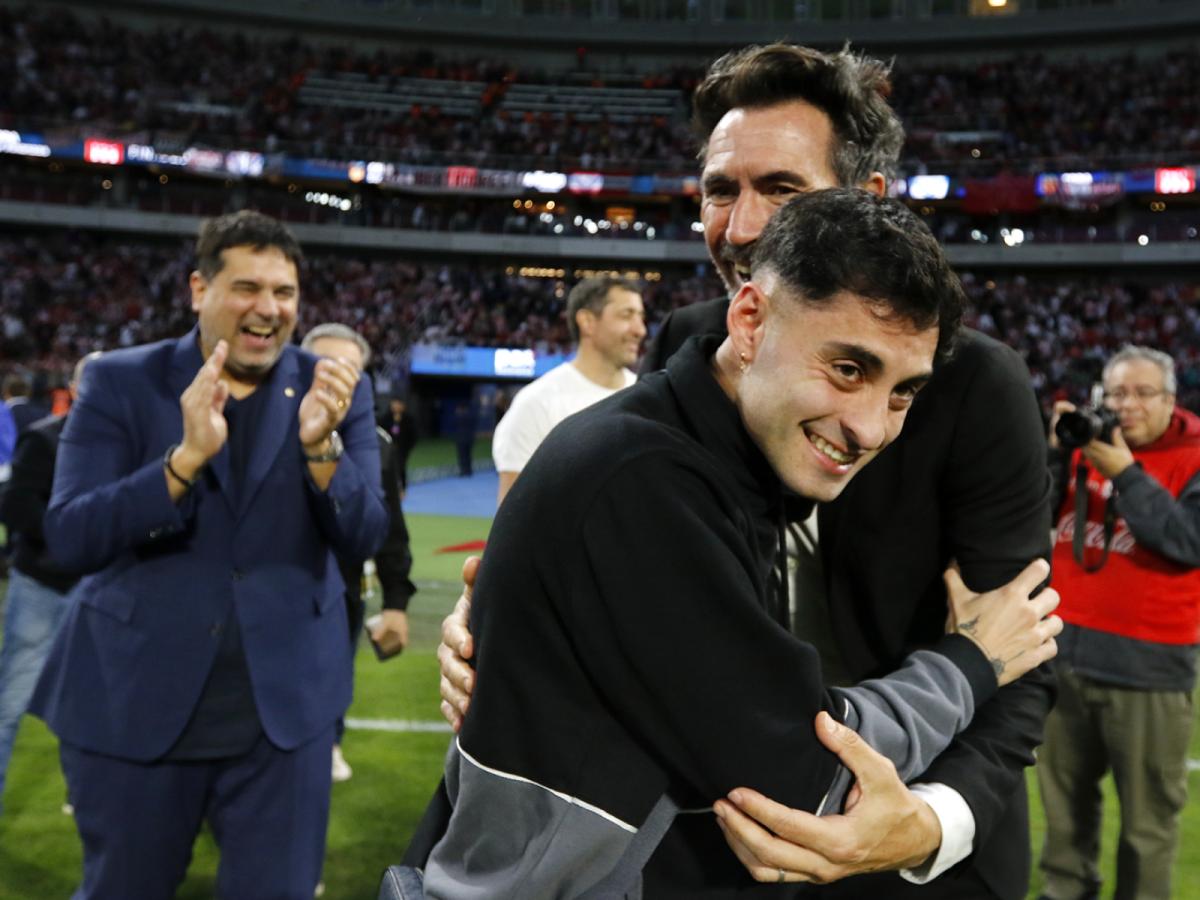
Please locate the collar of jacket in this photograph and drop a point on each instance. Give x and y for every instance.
(716, 422)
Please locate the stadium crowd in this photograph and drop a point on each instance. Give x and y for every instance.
(64, 294)
(173, 86)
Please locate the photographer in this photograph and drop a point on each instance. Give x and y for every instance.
(1131, 600)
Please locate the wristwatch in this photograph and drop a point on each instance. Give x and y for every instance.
(333, 454)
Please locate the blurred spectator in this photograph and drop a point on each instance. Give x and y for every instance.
(38, 587)
(1127, 566)
(80, 290)
(399, 425)
(607, 321)
(16, 390)
(393, 560)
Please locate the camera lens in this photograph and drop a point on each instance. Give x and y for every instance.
(1074, 429)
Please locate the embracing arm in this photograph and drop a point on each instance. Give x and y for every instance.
(762, 687)
(996, 495)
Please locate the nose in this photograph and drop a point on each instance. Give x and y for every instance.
(867, 420)
(639, 327)
(747, 218)
(266, 304)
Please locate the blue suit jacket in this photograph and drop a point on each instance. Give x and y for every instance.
(129, 664)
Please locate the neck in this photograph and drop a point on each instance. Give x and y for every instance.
(726, 369)
(596, 368)
(238, 389)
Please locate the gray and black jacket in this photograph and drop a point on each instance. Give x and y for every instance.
(626, 651)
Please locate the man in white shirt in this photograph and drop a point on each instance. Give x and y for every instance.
(608, 323)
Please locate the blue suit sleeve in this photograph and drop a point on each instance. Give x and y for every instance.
(105, 499)
(351, 512)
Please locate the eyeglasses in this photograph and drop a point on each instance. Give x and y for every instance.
(1142, 394)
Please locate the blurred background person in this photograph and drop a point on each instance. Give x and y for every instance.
(393, 560)
(1127, 564)
(398, 422)
(38, 587)
(608, 322)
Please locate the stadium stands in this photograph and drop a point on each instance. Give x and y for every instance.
(66, 293)
(1022, 113)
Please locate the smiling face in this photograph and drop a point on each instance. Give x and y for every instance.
(827, 386)
(1135, 390)
(755, 161)
(250, 303)
(618, 331)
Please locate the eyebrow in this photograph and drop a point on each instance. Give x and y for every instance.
(780, 175)
(256, 284)
(720, 179)
(873, 365)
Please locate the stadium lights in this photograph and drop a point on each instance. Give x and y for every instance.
(1012, 237)
(13, 142)
(323, 199)
(1174, 181)
(1143, 240)
(103, 153)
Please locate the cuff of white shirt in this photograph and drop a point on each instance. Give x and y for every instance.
(958, 831)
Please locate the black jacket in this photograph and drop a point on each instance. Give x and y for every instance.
(965, 480)
(24, 500)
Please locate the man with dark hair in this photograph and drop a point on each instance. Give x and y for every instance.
(203, 488)
(607, 322)
(965, 481)
(681, 479)
(38, 589)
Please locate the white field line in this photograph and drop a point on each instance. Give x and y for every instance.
(398, 725)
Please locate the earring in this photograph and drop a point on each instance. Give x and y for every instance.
(742, 363)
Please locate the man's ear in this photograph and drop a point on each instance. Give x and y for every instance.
(876, 184)
(747, 316)
(585, 322)
(199, 284)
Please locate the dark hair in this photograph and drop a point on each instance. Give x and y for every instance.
(245, 228)
(16, 385)
(592, 294)
(850, 88)
(846, 239)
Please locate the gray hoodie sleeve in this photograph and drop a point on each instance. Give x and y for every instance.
(1157, 520)
(911, 715)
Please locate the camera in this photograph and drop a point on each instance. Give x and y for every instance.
(1082, 426)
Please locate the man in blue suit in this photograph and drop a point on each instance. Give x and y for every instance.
(204, 486)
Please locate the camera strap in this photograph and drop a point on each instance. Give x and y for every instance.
(1081, 520)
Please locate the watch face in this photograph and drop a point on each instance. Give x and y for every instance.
(334, 452)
